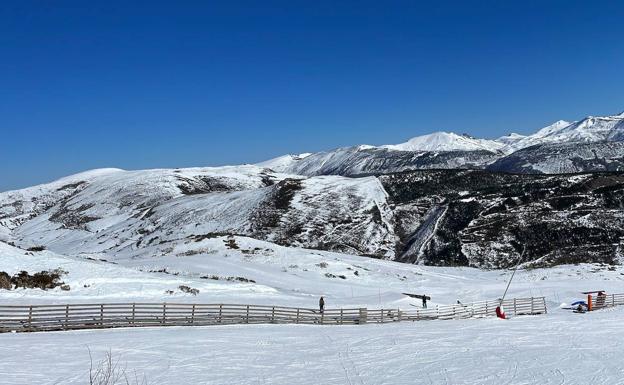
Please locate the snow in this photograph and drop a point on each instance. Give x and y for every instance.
(284, 162)
(552, 128)
(136, 235)
(559, 348)
(590, 129)
(366, 159)
(446, 141)
(510, 138)
(286, 276)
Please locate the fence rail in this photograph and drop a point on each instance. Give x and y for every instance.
(607, 300)
(28, 318)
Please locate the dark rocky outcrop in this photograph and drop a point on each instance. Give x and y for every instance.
(490, 217)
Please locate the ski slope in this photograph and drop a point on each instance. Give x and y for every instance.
(559, 348)
(287, 276)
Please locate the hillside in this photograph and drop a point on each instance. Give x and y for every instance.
(437, 217)
(557, 148)
(561, 158)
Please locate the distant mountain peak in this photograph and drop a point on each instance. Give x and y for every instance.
(446, 141)
(548, 130)
(448, 150)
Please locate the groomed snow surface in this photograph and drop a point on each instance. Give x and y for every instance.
(558, 348)
(561, 348)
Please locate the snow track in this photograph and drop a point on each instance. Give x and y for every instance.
(423, 235)
(523, 350)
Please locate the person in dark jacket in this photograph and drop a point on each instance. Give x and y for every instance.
(321, 304)
(424, 299)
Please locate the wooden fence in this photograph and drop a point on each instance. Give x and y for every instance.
(608, 300)
(22, 318)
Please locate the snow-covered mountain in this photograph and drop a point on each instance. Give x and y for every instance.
(438, 217)
(360, 160)
(441, 199)
(444, 150)
(446, 141)
(555, 158)
(122, 211)
(588, 130)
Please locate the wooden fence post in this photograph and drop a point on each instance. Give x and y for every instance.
(247, 318)
(297, 320)
(341, 316)
(515, 309)
(220, 312)
(382, 315)
(273, 315)
(193, 314)
(102, 315)
(399, 315)
(362, 316)
(66, 316)
(133, 314)
(532, 302)
(164, 317)
(30, 318)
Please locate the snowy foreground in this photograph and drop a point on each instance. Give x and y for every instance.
(559, 348)
(291, 277)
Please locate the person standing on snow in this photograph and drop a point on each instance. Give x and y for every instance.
(424, 299)
(321, 305)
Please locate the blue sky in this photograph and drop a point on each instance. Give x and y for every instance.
(175, 84)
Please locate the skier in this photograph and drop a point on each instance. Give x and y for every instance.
(424, 299)
(500, 313)
(601, 299)
(321, 305)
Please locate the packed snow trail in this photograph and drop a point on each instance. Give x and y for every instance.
(563, 348)
(422, 236)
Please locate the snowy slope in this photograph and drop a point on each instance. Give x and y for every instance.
(557, 158)
(137, 236)
(588, 130)
(447, 150)
(510, 139)
(401, 353)
(282, 163)
(359, 160)
(559, 348)
(129, 210)
(429, 217)
(446, 141)
(281, 275)
(18, 206)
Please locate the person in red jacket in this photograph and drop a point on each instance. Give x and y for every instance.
(500, 313)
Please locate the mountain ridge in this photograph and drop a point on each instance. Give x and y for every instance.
(450, 150)
(436, 217)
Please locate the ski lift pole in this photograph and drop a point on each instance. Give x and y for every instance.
(500, 306)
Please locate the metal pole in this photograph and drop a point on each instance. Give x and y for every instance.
(512, 275)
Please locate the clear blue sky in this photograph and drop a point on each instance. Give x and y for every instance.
(175, 84)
